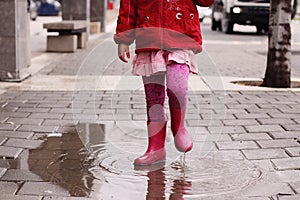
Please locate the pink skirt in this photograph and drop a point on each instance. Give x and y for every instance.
(152, 62)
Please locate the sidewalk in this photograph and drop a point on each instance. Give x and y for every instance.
(249, 153)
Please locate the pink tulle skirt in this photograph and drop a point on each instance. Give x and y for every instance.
(153, 62)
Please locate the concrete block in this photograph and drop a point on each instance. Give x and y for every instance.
(81, 40)
(63, 43)
(95, 27)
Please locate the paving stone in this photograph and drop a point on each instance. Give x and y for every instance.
(24, 121)
(14, 114)
(42, 129)
(8, 127)
(264, 128)
(59, 122)
(287, 163)
(66, 110)
(261, 154)
(20, 175)
(139, 117)
(8, 188)
(291, 127)
(226, 129)
(251, 136)
(284, 115)
(266, 165)
(16, 134)
(289, 176)
(19, 197)
(287, 197)
(23, 143)
(252, 116)
(237, 145)
(276, 121)
(42, 188)
(211, 137)
(267, 189)
(229, 154)
(66, 198)
(9, 152)
(2, 170)
(293, 151)
(45, 115)
(240, 122)
(204, 122)
(2, 140)
(34, 110)
(296, 186)
(279, 143)
(285, 134)
(217, 116)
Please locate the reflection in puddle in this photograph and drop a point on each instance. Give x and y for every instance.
(92, 160)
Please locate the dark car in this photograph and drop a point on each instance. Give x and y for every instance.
(48, 7)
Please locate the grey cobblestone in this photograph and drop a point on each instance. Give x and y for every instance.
(263, 128)
(9, 152)
(252, 116)
(293, 151)
(211, 137)
(24, 121)
(288, 197)
(32, 128)
(16, 134)
(261, 154)
(20, 175)
(240, 122)
(276, 121)
(287, 163)
(280, 143)
(251, 136)
(227, 129)
(296, 187)
(237, 145)
(19, 197)
(8, 188)
(289, 176)
(268, 189)
(285, 134)
(57, 122)
(291, 127)
(23, 143)
(67, 198)
(42, 188)
(45, 116)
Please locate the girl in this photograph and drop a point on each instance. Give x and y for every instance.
(167, 35)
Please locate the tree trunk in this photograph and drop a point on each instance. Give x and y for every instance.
(278, 72)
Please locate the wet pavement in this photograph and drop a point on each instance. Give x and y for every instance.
(60, 140)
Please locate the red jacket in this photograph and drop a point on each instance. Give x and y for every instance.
(160, 24)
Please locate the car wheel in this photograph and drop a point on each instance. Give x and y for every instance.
(214, 24)
(227, 27)
(259, 29)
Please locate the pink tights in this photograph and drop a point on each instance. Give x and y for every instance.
(177, 91)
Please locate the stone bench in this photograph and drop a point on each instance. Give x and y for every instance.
(72, 35)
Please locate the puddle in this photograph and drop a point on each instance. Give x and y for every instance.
(87, 162)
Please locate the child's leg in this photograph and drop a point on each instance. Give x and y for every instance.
(177, 90)
(156, 120)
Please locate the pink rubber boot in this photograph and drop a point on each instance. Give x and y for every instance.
(156, 123)
(177, 84)
(182, 139)
(156, 152)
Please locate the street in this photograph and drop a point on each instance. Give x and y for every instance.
(72, 130)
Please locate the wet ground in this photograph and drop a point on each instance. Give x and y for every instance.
(95, 160)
